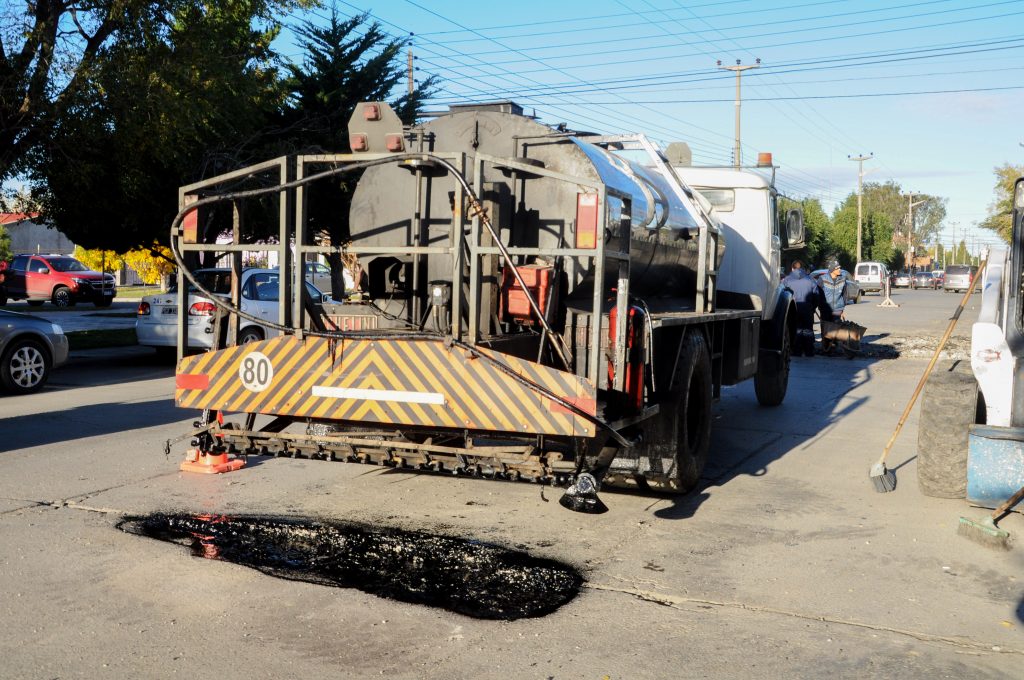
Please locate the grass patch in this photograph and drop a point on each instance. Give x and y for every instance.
(107, 337)
(138, 291)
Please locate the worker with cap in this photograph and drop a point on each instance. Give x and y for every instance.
(833, 288)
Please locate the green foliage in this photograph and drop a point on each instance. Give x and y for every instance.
(998, 219)
(163, 105)
(892, 201)
(5, 245)
(166, 93)
(345, 62)
(843, 234)
(816, 227)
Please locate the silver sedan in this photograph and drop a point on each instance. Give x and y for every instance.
(29, 348)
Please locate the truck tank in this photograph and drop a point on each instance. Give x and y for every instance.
(539, 212)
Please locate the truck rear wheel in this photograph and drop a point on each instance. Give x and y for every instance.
(949, 405)
(675, 442)
(772, 377)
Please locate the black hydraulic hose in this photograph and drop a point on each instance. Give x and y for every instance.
(478, 209)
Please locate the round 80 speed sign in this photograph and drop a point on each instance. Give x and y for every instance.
(255, 371)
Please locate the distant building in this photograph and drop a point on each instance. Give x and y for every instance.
(29, 236)
(922, 262)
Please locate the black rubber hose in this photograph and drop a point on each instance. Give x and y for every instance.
(277, 188)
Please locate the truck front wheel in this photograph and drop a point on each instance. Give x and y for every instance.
(772, 377)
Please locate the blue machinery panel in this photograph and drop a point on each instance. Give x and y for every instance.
(995, 464)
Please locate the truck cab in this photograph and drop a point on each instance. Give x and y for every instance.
(746, 202)
(997, 338)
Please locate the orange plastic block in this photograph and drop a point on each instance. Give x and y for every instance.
(209, 463)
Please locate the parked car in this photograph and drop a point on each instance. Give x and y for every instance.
(854, 292)
(29, 348)
(320, 276)
(958, 278)
(900, 279)
(61, 279)
(923, 280)
(156, 323)
(871, 276)
(940, 276)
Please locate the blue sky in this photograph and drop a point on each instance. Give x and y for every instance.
(932, 88)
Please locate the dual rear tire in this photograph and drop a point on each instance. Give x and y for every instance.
(674, 445)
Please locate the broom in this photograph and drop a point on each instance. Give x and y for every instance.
(985, 531)
(883, 478)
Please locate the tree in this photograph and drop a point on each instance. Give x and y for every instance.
(344, 63)
(36, 53)
(99, 260)
(891, 200)
(156, 93)
(151, 264)
(817, 228)
(998, 219)
(843, 234)
(5, 245)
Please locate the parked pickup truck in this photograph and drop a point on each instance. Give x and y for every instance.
(61, 279)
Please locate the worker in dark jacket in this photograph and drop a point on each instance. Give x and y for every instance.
(833, 288)
(807, 297)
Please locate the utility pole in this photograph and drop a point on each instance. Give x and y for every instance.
(910, 225)
(860, 196)
(739, 69)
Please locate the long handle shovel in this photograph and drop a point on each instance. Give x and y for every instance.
(883, 478)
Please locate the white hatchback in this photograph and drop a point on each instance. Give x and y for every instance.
(156, 323)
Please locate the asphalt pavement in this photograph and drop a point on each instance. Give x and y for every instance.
(83, 316)
(785, 562)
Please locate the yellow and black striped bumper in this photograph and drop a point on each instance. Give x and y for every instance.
(387, 382)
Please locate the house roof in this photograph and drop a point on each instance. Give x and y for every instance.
(11, 218)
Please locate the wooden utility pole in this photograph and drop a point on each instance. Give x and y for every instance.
(739, 69)
(860, 197)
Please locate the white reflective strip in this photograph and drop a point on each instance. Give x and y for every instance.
(378, 395)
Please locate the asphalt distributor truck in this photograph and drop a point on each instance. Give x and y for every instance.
(528, 303)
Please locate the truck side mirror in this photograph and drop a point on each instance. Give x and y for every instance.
(793, 236)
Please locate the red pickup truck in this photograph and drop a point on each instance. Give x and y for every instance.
(60, 279)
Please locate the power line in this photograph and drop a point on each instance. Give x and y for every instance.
(813, 97)
(553, 106)
(577, 54)
(548, 22)
(944, 50)
(633, 39)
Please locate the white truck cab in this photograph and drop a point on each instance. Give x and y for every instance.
(746, 202)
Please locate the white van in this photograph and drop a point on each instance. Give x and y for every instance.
(871, 276)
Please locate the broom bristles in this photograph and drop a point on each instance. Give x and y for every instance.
(985, 533)
(883, 478)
